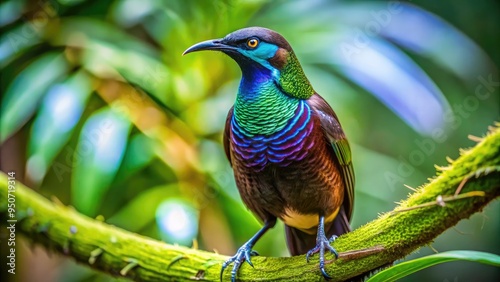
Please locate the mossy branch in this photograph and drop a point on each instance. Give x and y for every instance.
(390, 237)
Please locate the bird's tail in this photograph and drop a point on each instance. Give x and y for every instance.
(300, 242)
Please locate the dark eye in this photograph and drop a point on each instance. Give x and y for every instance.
(252, 42)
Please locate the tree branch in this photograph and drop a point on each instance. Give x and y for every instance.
(392, 236)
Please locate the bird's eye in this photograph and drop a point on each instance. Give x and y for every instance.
(252, 42)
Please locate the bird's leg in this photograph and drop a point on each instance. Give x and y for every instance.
(322, 243)
(245, 252)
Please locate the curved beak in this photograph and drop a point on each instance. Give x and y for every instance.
(215, 44)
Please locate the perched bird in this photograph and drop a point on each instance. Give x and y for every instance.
(290, 156)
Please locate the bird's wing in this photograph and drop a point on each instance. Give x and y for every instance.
(335, 135)
(227, 134)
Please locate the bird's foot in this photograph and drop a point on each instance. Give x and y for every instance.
(243, 254)
(322, 244)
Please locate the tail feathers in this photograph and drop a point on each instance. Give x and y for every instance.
(300, 242)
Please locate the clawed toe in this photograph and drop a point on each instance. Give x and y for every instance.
(243, 254)
(322, 244)
(325, 275)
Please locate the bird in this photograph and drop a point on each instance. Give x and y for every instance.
(289, 154)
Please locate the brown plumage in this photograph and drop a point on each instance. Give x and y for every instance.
(312, 186)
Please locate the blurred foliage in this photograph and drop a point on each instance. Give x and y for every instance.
(408, 267)
(100, 109)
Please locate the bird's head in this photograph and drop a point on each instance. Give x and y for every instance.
(258, 49)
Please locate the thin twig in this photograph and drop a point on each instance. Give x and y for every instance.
(357, 254)
(440, 200)
(411, 188)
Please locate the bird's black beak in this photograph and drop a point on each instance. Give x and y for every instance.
(215, 44)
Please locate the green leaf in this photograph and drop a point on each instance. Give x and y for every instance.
(408, 267)
(107, 60)
(13, 44)
(139, 153)
(60, 111)
(99, 153)
(25, 92)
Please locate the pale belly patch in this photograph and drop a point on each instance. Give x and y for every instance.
(307, 223)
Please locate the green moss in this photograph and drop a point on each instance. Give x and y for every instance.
(399, 233)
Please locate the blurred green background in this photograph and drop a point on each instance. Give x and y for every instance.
(100, 110)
